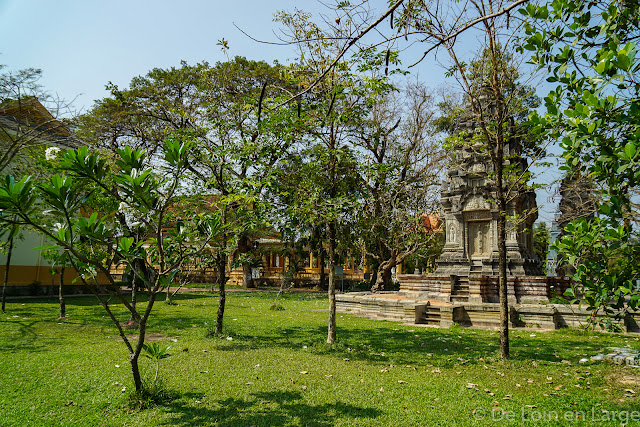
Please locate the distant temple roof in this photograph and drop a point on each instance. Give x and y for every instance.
(430, 221)
(34, 118)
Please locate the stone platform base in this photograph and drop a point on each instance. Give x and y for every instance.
(482, 289)
(385, 305)
(414, 309)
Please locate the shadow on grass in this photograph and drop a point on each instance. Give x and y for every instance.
(27, 339)
(265, 409)
(553, 346)
(24, 335)
(449, 347)
(382, 345)
(90, 300)
(47, 308)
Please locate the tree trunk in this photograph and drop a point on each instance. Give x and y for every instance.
(387, 277)
(247, 280)
(222, 280)
(135, 371)
(133, 300)
(61, 294)
(244, 248)
(378, 286)
(498, 161)
(133, 357)
(6, 274)
(502, 286)
(331, 336)
(137, 269)
(374, 274)
(383, 276)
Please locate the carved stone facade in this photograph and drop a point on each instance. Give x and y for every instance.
(470, 212)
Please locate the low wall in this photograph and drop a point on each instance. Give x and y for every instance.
(484, 289)
(531, 316)
(301, 279)
(422, 286)
(36, 289)
(398, 306)
(383, 305)
(483, 316)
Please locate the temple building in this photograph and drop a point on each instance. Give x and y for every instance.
(470, 212)
(464, 287)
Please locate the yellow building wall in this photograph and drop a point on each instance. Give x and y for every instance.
(28, 266)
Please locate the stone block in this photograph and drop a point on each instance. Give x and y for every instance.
(536, 316)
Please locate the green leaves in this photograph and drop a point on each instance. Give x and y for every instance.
(8, 232)
(95, 239)
(589, 50)
(130, 160)
(630, 151)
(63, 194)
(84, 164)
(16, 197)
(155, 352)
(606, 264)
(175, 152)
(626, 56)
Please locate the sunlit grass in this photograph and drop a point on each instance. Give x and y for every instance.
(274, 368)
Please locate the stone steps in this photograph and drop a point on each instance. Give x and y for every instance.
(460, 292)
(430, 316)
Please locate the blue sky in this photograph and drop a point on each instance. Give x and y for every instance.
(81, 45)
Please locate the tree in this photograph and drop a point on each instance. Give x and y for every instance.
(325, 197)
(541, 236)
(9, 229)
(325, 163)
(30, 119)
(404, 163)
(153, 108)
(438, 25)
(60, 260)
(163, 103)
(223, 110)
(94, 242)
(589, 51)
(244, 139)
(492, 100)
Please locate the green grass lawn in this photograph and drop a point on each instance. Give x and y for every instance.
(276, 369)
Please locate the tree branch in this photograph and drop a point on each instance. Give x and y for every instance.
(342, 53)
(465, 27)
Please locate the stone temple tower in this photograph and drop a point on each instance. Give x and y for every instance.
(470, 211)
